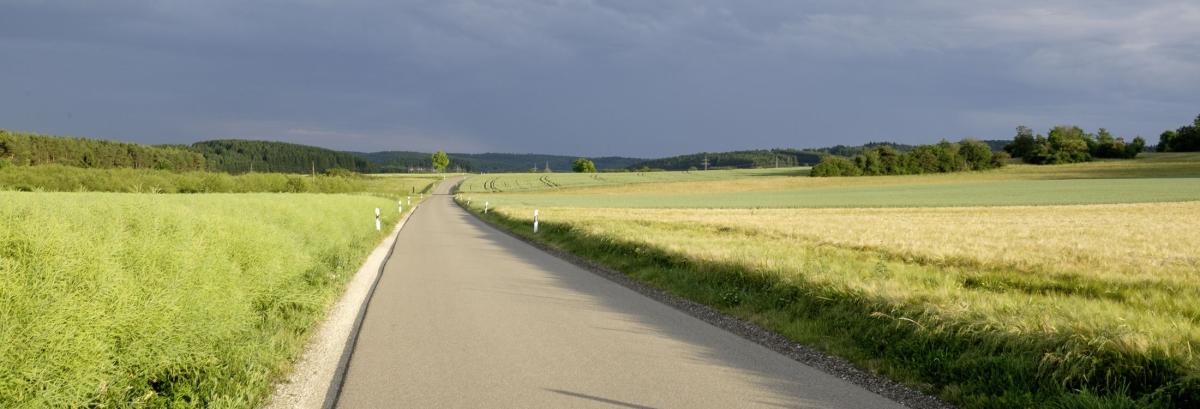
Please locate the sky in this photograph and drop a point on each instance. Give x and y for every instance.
(639, 78)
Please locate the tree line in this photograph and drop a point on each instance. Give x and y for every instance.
(241, 156)
(1184, 139)
(1070, 144)
(943, 157)
(233, 156)
(26, 149)
(762, 158)
(850, 151)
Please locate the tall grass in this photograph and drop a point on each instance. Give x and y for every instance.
(139, 300)
(1048, 306)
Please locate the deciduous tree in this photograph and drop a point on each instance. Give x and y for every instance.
(583, 165)
(440, 161)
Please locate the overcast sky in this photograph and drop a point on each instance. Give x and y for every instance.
(621, 77)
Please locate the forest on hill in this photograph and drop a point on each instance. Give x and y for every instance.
(767, 158)
(31, 149)
(241, 156)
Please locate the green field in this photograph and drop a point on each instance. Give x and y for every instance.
(154, 300)
(1156, 178)
(1030, 286)
(524, 182)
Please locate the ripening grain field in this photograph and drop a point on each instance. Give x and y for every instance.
(156, 300)
(986, 304)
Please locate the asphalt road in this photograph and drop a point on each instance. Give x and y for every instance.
(465, 316)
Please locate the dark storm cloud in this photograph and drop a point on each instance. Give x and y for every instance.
(632, 77)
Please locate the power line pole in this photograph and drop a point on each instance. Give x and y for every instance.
(705, 161)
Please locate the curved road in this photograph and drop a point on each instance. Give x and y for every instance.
(466, 316)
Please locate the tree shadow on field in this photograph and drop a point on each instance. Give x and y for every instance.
(790, 384)
(987, 368)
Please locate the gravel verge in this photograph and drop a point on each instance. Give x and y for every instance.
(317, 376)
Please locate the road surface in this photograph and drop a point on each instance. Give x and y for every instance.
(465, 316)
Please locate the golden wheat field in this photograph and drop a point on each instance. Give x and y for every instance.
(1114, 241)
(1120, 277)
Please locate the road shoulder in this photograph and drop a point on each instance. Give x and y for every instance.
(317, 376)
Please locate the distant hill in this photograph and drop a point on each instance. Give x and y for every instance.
(238, 156)
(766, 158)
(405, 161)
(763, 158)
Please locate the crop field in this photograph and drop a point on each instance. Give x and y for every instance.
(1157, 178)
(981, 193)
(155, 300)
(1056, 286)
(399, 185)
(523, 182)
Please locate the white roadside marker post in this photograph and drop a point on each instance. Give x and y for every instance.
(400, 206)
(377, 219)
(410, 200)
(485, 207)
(535, 220)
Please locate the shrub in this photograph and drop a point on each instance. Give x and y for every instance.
(832, 165)
(977, 155)
(341, 173)
(999, 159)
(297, 184)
